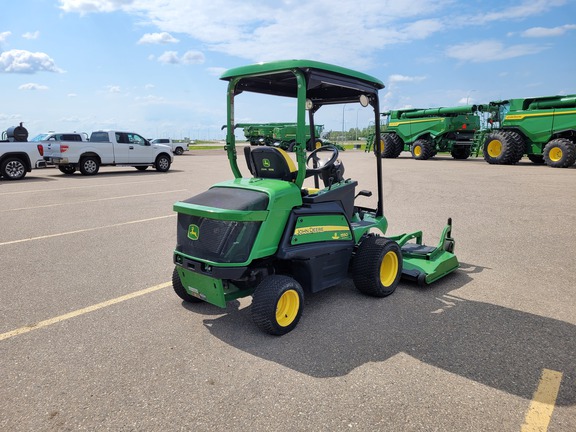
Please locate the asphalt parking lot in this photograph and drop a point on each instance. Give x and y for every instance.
(92, 337)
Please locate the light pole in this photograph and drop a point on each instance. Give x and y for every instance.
(344, 106)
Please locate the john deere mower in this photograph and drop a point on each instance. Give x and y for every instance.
(265, 235)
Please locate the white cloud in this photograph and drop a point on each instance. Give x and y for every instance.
(149, 86)
(189, 57)
(216, 71)
(89, 6)
(4, 36)
(536, 32)
(113, 89)
(31, 35)
(527, 8)
(72, 95)
(158, 38)
(22, 61)
(396, 78)
(32, 86)
(490, 50)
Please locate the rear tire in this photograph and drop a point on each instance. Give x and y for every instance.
(178, 151)
(142, 168)
(537, 159)
(388, 146)
(89, 165)
(560, 153)
(422, 149)
(67, 169)
(277, 304)
(180, 290)
(460, 152)
(13, 168)
(377, 266)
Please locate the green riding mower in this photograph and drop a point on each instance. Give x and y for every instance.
(267, 236)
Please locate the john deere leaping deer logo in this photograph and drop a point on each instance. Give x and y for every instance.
(266, 163)
(193, 232)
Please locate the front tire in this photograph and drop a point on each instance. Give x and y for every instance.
(180, 290)
(67, 169)
(142, 167)
(13, 168)
(500, 148)
(277, 304)
(89, 166)
(460, 152)
(560, 153)
(377, 266)
(162, 163)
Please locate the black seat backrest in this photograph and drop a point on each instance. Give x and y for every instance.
(271, 162)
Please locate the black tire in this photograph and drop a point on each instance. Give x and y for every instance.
(560, 153)
(536, 158)
(500, 148)
(142, 168)
(398, 144)
(377, 266)
(422, 149)
(291, 146)
(180, 290)
(277, 304)
(387, 146)
(460, 152)
(178, 151)
(519, 145)
(89, 165)
(313, 145)
(13, 168)
(162, 163)
(67, 169)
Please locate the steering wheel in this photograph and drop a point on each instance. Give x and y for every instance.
(321, 164)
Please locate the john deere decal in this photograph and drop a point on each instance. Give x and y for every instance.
(193, 232)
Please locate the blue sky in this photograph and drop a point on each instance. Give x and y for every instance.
(152, 66)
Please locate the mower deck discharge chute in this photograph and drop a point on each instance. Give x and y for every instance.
(268, 236)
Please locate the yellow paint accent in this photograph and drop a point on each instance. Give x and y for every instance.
(415, 121)
(319, 229)
(540, 410)
(494, 148)
(55, 320)
(546, 114)
(287, 308)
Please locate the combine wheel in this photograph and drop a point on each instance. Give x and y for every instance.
(89, 165)
(180, 290)
(13, 168)
(422, 149)
(277, 304)
(399, 145)
(460, 152)
(377, 266)
(500, 148)
(560, 153)
(536, 158)
(388, 146)
(519, 145)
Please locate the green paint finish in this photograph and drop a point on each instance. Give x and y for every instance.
(204, 287)
(310, 229)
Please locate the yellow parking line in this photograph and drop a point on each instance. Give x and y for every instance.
(92, 200)
(82, 311)
(542, 405)
(83, 230)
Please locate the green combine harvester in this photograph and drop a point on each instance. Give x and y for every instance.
(543, 128)
(267, 235)
(425, 132)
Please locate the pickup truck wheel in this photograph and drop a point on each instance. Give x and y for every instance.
(142, 168)
(67, 169)
(178, 151)
(13, 168)
(89, 165)
(162, 163)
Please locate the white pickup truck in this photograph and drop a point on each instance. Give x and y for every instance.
(115, 148)
(177, 147)
(18, 158)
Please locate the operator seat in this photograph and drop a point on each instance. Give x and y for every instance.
(270, 162)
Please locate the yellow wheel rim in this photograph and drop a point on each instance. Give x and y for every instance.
(318, 144)
(287, 308)
(381, 146)
(494, 148)
(388, 269)
(417, 151)
(555, 154)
